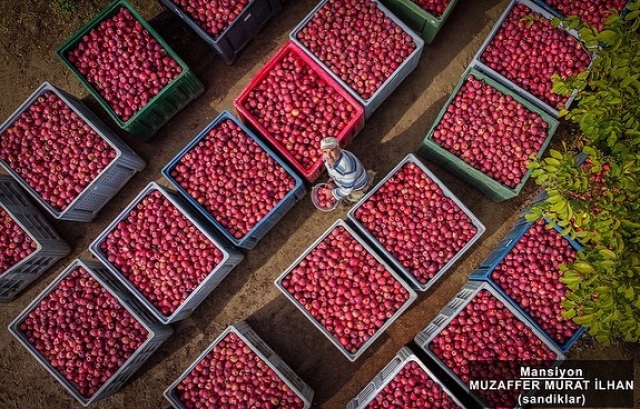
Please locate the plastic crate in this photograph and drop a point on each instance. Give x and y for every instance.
(237, 35)
(231, 256)
(158, 333)
(249, 240)
(557, 13)
(391, 83)
(264, 352)
(451, 310)
(351, 356)
(419, 19)
(113, 177)
(382, 379)
(50, 247)
(163, 106)
(490, 187)
(351, 215)
(348, 133)
(484, 271)
(477, 62)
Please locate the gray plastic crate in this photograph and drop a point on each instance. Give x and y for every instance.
(231, 256)
(240, 31)
(412, 295)
(113, 177)
(158, 333)
(453, 308)
(264, 352)
(50, 247)
(411, 158)
(478, 64)
(382, 379)
(394, 80)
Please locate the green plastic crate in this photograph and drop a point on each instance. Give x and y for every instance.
(490, 187)
(162, 107)
(420, 20)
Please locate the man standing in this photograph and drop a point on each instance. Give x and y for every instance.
(346, 172)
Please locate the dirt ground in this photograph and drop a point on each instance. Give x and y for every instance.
(31, 30)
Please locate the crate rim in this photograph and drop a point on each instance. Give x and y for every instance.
(231, 328)
(412, 295)
(419, 42)
(13, 328)
(488, 79)
(427, 14)
(44, 87)
(292, 47)
(546, 14)
(405, 356)
(480, 227)
(94, 248)
(225, 114)
(109, 10)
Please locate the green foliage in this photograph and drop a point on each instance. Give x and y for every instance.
(65, 6)
(608, 104)
(598, 202)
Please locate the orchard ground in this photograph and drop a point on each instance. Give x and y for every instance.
(31, 30)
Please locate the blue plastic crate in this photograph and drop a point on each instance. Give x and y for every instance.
(386, 254)
(240, 31)
(485, 269)
(479, 65)
(394, 80)
(249, 240)
(231, 257)
(557, 13)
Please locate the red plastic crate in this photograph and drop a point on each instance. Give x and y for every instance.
(351, 130)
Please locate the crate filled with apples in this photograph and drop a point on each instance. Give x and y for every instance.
(405, 382)
(364, 46)
(524, 50)
(88, 332)
(486, 134)
(591, 12)
(294, 103)
(345, 289)
(162, 251)
(416, 223)
(425, 17)
(239, 370)
(235, 181)
(29, 245)
(226, 26)
(64, 156)
(130, 70)
(524, 268)
(480, 336)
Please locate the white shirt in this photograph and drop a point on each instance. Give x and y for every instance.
(348, 173)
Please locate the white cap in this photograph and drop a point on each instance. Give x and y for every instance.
(329, 143)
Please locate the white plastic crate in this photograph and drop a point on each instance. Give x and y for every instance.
(453, 308)
(479, 65)
(394, 80)
(98, 192)
(384, 377)
(231, 256)
(158, 333)
(264, 352)
(480, 228)
(50, 247)
(411, 294)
